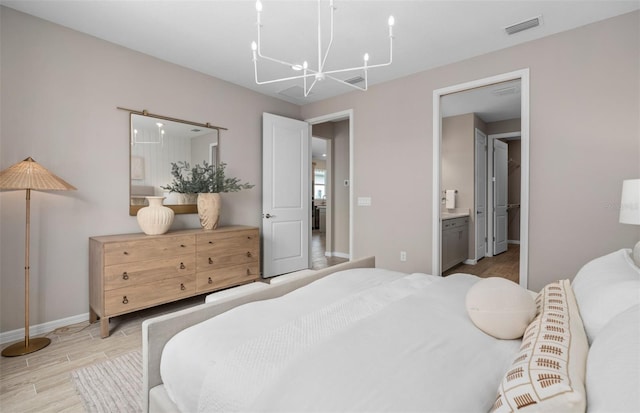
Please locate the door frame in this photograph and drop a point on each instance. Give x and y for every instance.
(523, 76)
(342, 115)
(490, 140)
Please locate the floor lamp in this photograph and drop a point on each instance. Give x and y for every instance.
(29, 175)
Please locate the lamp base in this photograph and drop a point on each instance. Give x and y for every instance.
(20, 349)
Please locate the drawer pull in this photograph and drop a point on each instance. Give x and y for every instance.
(210, 281)
(210, 260)
(248, 253)
(211, 242)
(125, 276)
(125, 300)
(182, 287)
(182, 267)
(125, 253)
(248, 271)
(183, 246)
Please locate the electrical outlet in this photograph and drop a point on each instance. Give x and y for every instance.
(403, 255)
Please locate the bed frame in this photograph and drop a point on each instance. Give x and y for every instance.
(157, 331)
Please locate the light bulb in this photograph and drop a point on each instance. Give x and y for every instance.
(392, 21)
(366, 57)
(305, 65)
(259, 6)
(254, 46)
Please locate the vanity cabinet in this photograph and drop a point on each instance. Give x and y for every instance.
(455, 241)
(130, 272)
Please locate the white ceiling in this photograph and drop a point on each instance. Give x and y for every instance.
(214, 36)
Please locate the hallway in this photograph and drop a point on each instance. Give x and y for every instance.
(318, 259)
(505, 265)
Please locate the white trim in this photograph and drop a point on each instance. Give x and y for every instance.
(332, 117)
(337, 254)
(513, 241)
(523, 75)
(18, 335)
(470, 262)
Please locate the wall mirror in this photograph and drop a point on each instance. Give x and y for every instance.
(155, 142)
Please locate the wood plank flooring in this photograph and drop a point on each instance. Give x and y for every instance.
(41, 381)
(505, 265)
(318, 259)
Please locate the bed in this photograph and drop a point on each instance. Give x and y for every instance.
(358, 338)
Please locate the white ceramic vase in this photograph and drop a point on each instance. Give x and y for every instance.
(209, 205)
(156, 218)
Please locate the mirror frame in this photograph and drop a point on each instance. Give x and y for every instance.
(178, 209)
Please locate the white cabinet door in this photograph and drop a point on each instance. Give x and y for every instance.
(286, 194)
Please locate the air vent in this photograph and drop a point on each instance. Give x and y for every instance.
(525, 25)
(355, 80)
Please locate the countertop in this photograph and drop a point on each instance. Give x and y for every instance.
(452, 215)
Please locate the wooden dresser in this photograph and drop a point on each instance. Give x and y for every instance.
(130, 272)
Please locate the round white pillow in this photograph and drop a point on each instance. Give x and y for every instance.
(500, 308)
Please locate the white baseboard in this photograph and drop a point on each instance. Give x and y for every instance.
(513, 241)
(17, 335)
(470, 262)
(337, 254)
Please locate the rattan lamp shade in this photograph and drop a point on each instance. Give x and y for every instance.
(28, 174)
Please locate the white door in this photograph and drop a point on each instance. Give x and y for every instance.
(286, 195)
(500, 192)
(481, 194)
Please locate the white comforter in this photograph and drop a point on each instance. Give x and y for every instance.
(359, 340)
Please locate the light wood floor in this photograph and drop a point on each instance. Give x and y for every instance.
(41, 381)
(505, 265)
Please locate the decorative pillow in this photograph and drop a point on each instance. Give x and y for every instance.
(500, 308)
(605, 287)
(613, 365)
(548, 373)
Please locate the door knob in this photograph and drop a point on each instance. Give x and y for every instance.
(269, 216)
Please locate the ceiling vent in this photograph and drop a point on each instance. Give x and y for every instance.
(525, 25)
(354, 80)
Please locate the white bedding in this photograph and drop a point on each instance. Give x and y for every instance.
(358, 340)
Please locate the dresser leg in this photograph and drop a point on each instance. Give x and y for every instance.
(93, 317)
(104, 327)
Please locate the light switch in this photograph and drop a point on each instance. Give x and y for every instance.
(364, 201)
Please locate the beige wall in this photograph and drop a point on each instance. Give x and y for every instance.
(584, 141)
(59, 95)
(340, 205)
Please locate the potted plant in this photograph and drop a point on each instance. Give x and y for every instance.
(207, 181)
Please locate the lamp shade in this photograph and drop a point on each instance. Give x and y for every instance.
(28, 174)
(630, 202)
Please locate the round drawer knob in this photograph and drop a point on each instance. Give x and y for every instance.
(125, 300)
(210, 260)
(125, 276)
(182, 287)
(182, 267)
(248, 253)
(210, 281)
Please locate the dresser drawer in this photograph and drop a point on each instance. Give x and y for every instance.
(227, 241)
(128, 274)
(146, 249)
(227, 277)
(124, 300)
(209, 260)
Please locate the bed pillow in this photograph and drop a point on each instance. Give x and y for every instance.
(548, 373)
(500, 308)
(613, 365)
(605, 287)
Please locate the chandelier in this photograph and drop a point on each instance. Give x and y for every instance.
(311, 76)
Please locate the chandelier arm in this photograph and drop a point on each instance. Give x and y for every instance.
(368, 66)
(266, 82)
(307, 91)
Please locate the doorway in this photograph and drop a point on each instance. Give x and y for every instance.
(522, 76)
(331, 191)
